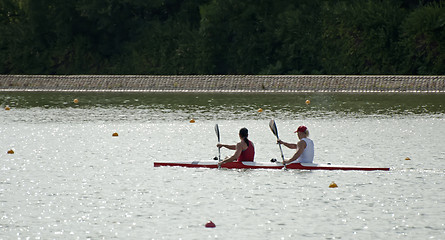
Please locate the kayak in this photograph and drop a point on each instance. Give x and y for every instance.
(266, 165)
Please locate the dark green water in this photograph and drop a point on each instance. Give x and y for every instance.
(320, 103)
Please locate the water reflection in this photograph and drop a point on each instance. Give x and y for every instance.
(209, 106)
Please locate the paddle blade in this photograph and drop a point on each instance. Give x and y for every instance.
(217, 132)
(273, 127)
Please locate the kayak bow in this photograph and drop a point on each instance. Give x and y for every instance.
(267, 165)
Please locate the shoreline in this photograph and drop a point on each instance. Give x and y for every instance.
(224, 83)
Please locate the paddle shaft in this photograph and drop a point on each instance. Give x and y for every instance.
(274, 129)
(281, 150)
(219, 141)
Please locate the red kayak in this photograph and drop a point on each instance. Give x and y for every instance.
(267, 165)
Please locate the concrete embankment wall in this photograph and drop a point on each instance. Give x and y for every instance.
(223, 83)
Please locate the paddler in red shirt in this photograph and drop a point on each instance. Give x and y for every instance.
(244, 150)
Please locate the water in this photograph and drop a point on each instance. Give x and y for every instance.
(70, 179)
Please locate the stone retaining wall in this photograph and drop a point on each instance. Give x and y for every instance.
(223, 83)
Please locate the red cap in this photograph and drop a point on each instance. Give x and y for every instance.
(301, 129)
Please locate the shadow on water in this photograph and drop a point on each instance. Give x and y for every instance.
(239, 105)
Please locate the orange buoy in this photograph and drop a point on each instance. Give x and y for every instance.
(308, 102)
(76, 100)
(260, 110)
(333, 185)
(7, 108)
(192, 120)
(115, 134)
(210, 224)
(407, 158)
(10, 151)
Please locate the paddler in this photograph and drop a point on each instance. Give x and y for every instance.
(244, 150)
(305, 147)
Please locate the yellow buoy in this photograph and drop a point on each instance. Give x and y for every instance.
(407, 158)
(76, 100)
(10, 151)
(192, 120)
(308, 102)
(333, 185)
(260, 110)
(7, 108)
(115, 134)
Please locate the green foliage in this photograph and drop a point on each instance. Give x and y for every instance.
(297, 41)
(222, 37)
(11, 33)
(234, 36)
(361, 37)
(423, 40)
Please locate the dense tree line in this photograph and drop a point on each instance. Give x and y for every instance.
(222, 37)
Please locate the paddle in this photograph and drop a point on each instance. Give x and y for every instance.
(273, 128)
(219, 140)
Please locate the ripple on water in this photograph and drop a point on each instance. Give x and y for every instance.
(69, 178)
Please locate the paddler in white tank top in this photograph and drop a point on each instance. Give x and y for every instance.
(305, 147)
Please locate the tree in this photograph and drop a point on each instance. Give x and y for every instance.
(423, 40)
(296, 39)
(361, 37)
(237, 36)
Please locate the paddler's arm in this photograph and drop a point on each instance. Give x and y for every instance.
(301, 145)
(231, 147)
(239, 149)
(289, 145)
